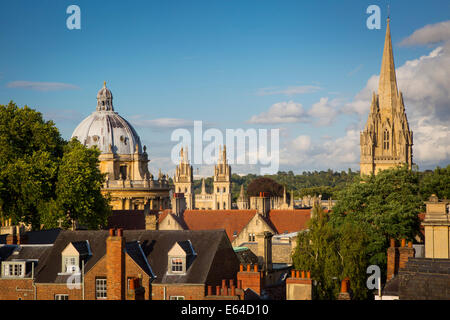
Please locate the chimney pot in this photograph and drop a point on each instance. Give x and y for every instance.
(111, 232)
(233, 290)
(132, 284)
(241, 267)
(248, 268)
(293, 273)
(410, 244)
(224, 283)
(209, 290)
(303, 274)
(231, 283)
(392, 243)
(344, 286)
(403, 242)
(297, 274)
(120, 232)
(255, 267)
(217, 290)
(308, 274)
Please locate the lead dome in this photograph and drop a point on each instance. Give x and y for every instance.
(106, 129)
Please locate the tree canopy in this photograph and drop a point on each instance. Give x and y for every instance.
(34, 161)
(356, 233)
(267, 185)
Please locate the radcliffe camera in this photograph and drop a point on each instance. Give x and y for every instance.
(253, 157)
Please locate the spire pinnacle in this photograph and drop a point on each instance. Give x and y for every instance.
(387, 86)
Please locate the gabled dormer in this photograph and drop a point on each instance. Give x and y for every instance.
(73, 256)
(180, 258)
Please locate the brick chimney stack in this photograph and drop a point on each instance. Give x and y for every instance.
(345, 294)
(115, 265)
(299, 286)
(398, 256)
(250, 279)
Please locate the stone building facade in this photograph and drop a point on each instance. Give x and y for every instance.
(386, 141)
(219, 199)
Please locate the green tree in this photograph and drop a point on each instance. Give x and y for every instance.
(78, 190)
(30, 151)
(436, 182)
(386, 206)
(39, 173)
(332, 254)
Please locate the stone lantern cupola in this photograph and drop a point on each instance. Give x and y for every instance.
(104, 99)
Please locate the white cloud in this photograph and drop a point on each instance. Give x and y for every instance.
(289, 91)
(281, 112)
(426, 92)
(302, 152)
(324, 111)
(170, 123)
(430, 34)
(41, 86)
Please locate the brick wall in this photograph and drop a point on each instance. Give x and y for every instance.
(188, 291)
(15, 289)
(48, 291)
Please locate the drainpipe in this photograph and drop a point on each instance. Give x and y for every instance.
(82, 275)
(33, 284)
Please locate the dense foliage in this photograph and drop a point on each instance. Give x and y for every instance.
(34, 161)
(356, 233)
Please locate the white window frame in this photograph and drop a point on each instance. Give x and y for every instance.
(101, 289)
(177, 262)
(13, 269)
(70, 264)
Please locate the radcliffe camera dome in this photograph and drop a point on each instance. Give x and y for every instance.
(107, 130)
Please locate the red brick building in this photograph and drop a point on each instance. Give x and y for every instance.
(95, 265)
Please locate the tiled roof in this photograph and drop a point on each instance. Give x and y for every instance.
(230, 220)
(149, 248)
(289, 220)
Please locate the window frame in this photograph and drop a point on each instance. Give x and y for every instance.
(13, 269)
(101, 288)
(60, 295)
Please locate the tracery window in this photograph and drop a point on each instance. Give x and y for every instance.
(386, 140)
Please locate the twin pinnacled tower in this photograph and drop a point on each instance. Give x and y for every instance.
(386, 141)
(183, 180)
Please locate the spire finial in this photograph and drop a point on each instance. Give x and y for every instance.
(104, 83)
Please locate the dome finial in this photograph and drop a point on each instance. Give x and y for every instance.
(104, 83)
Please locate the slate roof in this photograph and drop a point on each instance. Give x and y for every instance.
(149, 249)
(37, 237)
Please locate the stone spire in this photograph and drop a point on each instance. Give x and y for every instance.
(387, 86)
(386, 141)
(242, 194)
(203, 186)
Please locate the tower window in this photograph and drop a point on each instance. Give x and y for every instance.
(386, 140)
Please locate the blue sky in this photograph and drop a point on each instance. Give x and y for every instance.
(222, 62)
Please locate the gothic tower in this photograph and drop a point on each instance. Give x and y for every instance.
(183, 179)
(386, 141)
(222, 182)
(242, 201)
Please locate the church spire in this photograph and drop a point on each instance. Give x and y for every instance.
(387, 87)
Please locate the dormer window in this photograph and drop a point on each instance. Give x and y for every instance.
(13, 269)
(181, 256)
(177, 265)
(73, 254)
